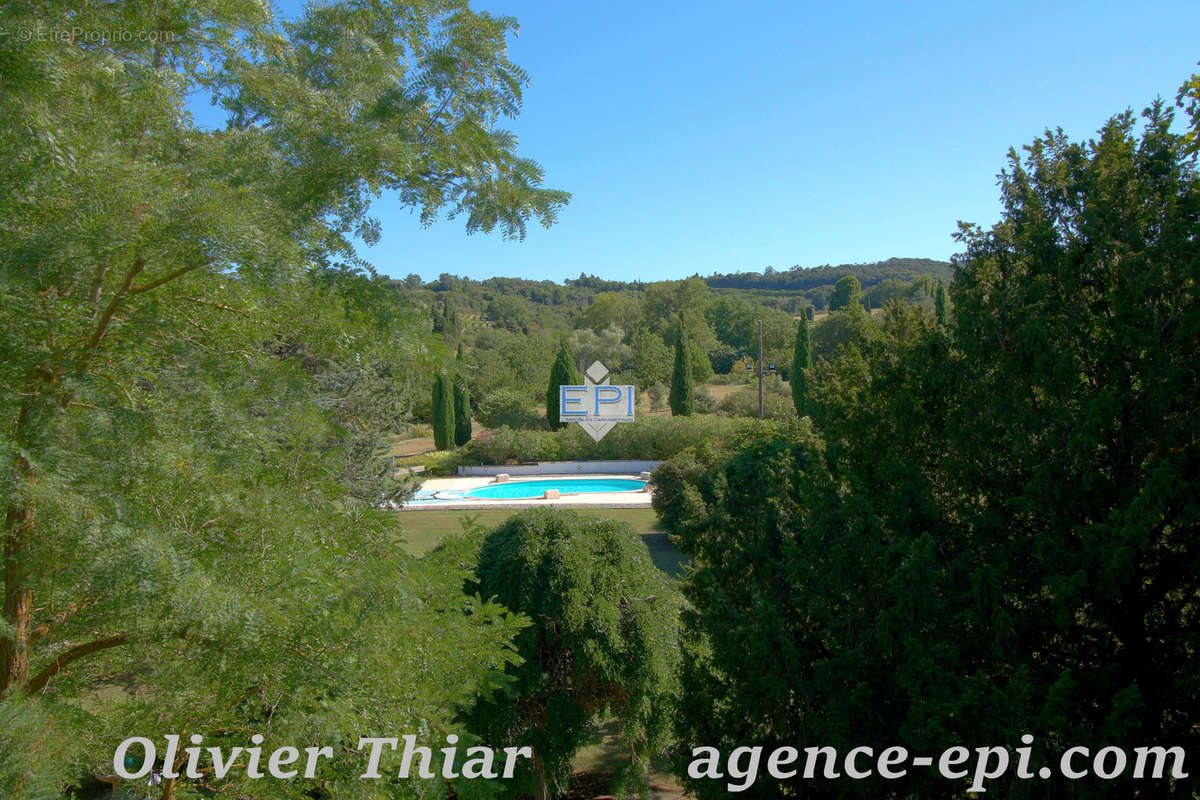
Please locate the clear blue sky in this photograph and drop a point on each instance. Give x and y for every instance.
(702, 137)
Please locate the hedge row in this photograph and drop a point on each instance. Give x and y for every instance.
(649, 438)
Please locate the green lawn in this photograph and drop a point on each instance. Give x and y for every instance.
(424, 529)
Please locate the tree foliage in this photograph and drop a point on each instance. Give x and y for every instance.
(941, 304)
(847, 294)
(606, 346)
(604, 640)
(801, 361)
(443, 411)
(651, 359)
(513, 325)
(683, 391)
(462, 403)
(563, 372)
(996, 533)
(800, 278)
(195, 376)
(1189, 100)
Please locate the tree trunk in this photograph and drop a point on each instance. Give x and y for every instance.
(18, 532)
(18, 597)
(44, 394)
(543, 785)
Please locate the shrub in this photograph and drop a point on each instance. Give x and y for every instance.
(507, 444)
(776, 406)
(724, 358)
(441, 463)
(509, 407)
(648, 438)
(653, 438)
(683, 490)
(658, 396)
(738, 376)
(689, 482)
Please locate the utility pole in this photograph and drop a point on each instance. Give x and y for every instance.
(761, 412)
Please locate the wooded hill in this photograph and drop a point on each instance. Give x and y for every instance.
(770, 285)
(804, 278)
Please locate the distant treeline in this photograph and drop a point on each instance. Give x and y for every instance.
(880, 280)
(805, 278)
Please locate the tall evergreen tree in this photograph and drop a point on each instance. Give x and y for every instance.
(462, 403)
(448, 320)
(562, 373)
(1021, 494)
(801, 360)
(940, 303)
(683, 391)
(443, 412)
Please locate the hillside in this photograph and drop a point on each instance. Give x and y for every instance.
(805, 278)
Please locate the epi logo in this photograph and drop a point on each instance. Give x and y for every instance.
(597, 405)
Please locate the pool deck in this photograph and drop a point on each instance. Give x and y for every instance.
(639, 499)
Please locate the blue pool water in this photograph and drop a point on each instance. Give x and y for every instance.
(530, 489)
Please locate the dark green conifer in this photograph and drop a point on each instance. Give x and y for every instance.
(801, 360)
(683, 392)
(562, 373)
(462, 403)
(443, 412)
(941, 303)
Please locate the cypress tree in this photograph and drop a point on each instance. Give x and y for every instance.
(439, 317)
(801, 360)
(443, 412)
(449, 321)
(940, 302)
(562, 373)
(462, 403)
(683, 392)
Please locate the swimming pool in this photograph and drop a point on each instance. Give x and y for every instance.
(524, 490)
(424, 498)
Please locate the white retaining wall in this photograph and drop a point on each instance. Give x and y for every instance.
(565, 468)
